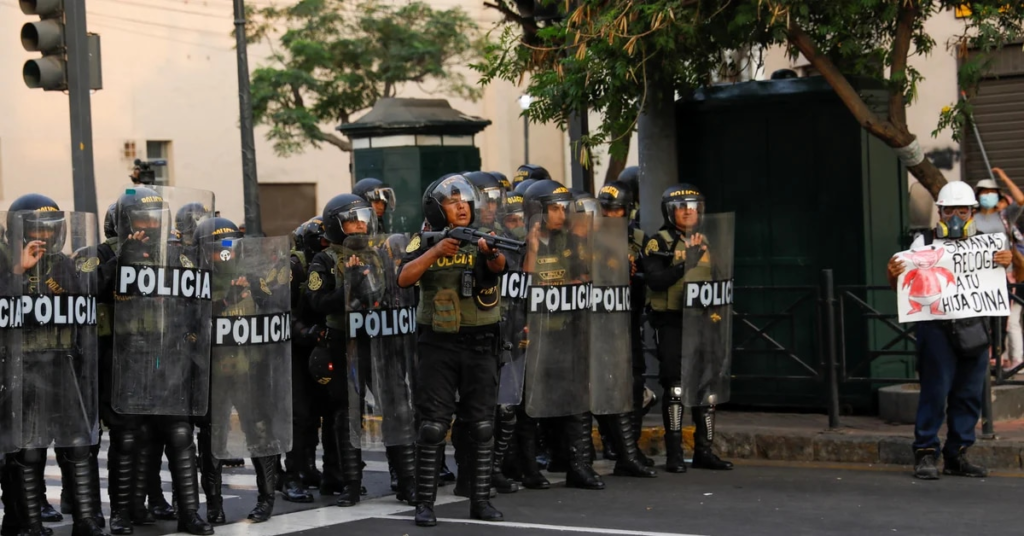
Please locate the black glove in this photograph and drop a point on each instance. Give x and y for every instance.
(693, 255)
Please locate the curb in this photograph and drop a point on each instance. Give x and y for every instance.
(751, 443)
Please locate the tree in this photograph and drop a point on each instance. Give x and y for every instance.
(335, 59)
(603, 54)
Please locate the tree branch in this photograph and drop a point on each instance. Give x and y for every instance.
(908, 11)
(297, 96)
(867, 119)
(510, 16)
(336, 141)
(893, 136)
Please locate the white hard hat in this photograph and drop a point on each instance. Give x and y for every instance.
(957, 194)
(986, 184)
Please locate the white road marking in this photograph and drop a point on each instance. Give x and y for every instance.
(540, 526)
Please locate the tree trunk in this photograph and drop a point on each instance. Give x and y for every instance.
(616, 165)
(656, 141)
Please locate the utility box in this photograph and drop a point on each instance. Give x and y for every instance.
(811, 190)
(409, 143)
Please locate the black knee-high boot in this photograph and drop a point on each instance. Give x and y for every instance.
(181, 459)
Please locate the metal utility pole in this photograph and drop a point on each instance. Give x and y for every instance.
(582, 177)
(250, 184)
(83, 172)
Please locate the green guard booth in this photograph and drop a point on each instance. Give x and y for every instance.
(408, 143)
(811, 190)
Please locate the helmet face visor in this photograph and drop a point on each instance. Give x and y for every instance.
(47, 227)
(149, 221)
(382, 199)
(685, 214)
(355, 221)
(459, 200)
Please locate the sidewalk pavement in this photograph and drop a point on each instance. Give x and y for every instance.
(798, 437)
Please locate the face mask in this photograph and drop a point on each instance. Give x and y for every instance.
(989, 200)
(955, 228)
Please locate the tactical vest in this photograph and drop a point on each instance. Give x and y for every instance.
(672, 299)
(337, 320)
(234, 361)
(445, 276)
(553, 261)
(105, 311)
(41, 339)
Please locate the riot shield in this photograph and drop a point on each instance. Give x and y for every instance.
(365, 275)
(56, 295)
(393, 350)
(10, 361)
(515, 286)
(161, 363)
(250, 357)
(558, 309)
(611, 363)
(707, 314)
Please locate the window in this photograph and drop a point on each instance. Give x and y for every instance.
(160, 150)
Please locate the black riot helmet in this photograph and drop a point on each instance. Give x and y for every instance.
(450, 191)
(186, 219)
(505, 183)
(631, 178)
(615, 194)
(543, 194)
(311, 235)
(530, 171)
(372, 190)
(41, 219)
(295, 237)
(584, 202)
(142, 209)
(492, 192)
(522, 187)
(347, 208)
(213, 229)
(221, 232)
(681, 196)
(110, 222)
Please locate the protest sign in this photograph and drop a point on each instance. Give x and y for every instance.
(953, 279)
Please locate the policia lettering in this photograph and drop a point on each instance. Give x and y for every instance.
(610, 299)
(709, 293)
(64, 310)
(253, 330)
(382, 323)
(560, 298)
(168, 282)
(515, 285)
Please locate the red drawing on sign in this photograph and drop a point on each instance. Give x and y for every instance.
(926, 281)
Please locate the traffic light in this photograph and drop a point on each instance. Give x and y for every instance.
(46, 36)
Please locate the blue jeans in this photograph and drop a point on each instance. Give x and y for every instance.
(951, 387)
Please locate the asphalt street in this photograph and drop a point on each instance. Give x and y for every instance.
(751, 500)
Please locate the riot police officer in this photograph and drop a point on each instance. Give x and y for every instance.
(558, 254)
(381, 197)
(344, 215)
(616, 201)
(458, 315)
(678, 252)
(308, 402)
(491, 220)
(57, 408)
(141, 322)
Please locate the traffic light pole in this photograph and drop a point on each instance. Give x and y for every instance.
(250, 184)
(82, 169)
